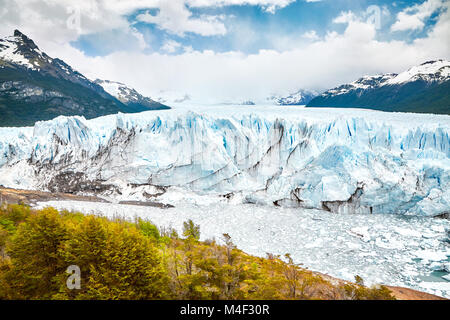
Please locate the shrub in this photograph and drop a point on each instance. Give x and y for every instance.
(191, 230)
(3, 237)
(149, 230)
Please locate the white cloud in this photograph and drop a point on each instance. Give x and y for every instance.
(345, 17)
(212, 77)
(171, 46)
(373, 15)
(311, 35)
(320, 63)
(43, 18)
(437, 39)
(268, 5)
(175, 17)
(413, 18)
(50, 21)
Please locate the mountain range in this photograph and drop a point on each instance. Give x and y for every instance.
(34, 87)
(422, 89)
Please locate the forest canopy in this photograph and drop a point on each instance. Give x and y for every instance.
(135, 260)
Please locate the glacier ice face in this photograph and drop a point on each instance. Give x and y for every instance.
(340, 160)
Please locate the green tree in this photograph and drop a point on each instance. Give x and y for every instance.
(191, 230)
(17, 213)
(34, 253)
(116, 260)
(3, 237)
(149, 230)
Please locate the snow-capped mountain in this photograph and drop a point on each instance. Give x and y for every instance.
(236, 103)
(35, 86)
(424, 88)
(172, 97)
(364, 83)
(299, 98)
(129, 96)
(247, 103)
(431, 71)
(344, 161)
(20, 53)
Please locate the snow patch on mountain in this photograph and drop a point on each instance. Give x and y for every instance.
(364, 83)
(128, 95)
(114, 88)
(9, 52)
(301, 97)
(429, 71)
(121, 91)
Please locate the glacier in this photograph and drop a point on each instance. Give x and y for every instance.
(338, 160)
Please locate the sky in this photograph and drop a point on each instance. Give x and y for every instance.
(233, 50)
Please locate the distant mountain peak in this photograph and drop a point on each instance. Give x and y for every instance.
(432, 62)
(430, 71)
(19, 50)
(34, 86)
(120, 91)
(301, 97)
(17, 33)
(128, 95)
(27, 41)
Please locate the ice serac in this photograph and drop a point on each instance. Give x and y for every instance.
(343, 161)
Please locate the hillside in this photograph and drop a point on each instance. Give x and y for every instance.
(129, 96)
(34, 87)
(421, 89)
(120, 259)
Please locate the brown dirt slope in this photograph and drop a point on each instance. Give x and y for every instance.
(8, 195)
(410, 294)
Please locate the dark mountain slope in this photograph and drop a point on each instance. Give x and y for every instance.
(34, 86)
(421, 89)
